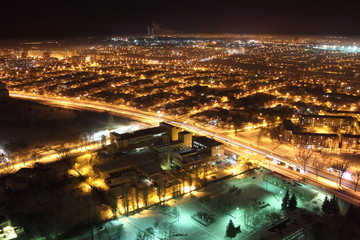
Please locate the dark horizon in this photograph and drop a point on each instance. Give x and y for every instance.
(44, 19)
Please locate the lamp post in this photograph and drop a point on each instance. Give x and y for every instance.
(236, 211)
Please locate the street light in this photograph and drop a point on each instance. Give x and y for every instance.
(237, 209)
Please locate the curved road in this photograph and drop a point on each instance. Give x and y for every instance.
(150, 117)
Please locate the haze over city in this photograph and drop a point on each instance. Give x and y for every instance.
(89, 18)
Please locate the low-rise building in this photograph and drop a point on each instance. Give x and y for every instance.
(167, 185)
(173, 131)
(304, 139)
(186, 138)
(161, 136)
(138, 138)
(213, 147)
(7, 231)
(350, 141)
(129, 188)
(326, 120)
(134, 189)
(315, 140)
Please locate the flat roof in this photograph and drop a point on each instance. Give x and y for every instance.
(187, 152)
(167, 124)
(184, 132)
(140, 133)
(326, 116)
(348, 112)
(165, 176)
(351, 136)
(209, 142)
(195, 158)
(143, 161)
(316, 134)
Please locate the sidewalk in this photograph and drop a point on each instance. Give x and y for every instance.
(343, 192)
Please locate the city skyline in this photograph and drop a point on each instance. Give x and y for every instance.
(91, 18)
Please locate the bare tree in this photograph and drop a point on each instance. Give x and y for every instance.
(103, 141)
(136, 196)
(319, 163)
(146, 196)
(63, 152)
(304, 157)
(356, 177)
(341, 166)
(260, 134)
(161, 190)
(249, 214)
(125, 198)
(275, 132)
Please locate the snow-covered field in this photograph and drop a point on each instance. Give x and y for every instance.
(245, 207)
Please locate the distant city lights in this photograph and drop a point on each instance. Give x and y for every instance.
(347, 49)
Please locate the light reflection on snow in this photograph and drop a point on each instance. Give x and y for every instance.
(121, 129)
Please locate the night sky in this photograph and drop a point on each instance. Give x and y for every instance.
(53, 18)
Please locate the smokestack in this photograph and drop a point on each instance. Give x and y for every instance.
(168, 159)
(148, 31)
(156, 29)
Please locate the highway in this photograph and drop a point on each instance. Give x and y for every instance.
(325, 178)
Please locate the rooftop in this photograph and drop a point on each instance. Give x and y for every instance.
(346, 112)
(209, 142)
(140, 133)
(351, 136)
(184, 132)
(316, 134)
(326, 116)
(143, 161)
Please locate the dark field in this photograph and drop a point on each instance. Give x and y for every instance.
(28, 125)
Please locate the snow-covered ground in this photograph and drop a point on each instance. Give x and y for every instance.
(243, 209)
(252, 203)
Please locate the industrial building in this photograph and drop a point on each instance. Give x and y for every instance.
(140, 138)
(139, 179)
(215, 148)
(164, 138)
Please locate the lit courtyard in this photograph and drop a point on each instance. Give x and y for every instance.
(247, 201)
